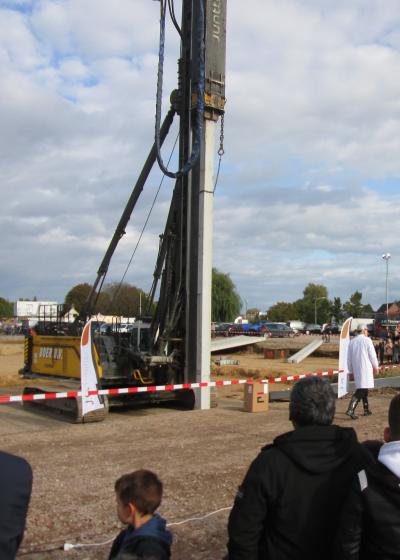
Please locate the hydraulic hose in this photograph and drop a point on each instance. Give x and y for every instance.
(189, 164)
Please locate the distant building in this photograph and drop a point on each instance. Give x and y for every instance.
(71, 315)
(393, 310)
(113, 319)
(30, 311)
(240, 321)
(253, 314)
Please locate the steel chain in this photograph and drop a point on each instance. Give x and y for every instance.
(221, 150)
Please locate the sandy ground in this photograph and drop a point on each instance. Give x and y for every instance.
(11, 360)
(200, 455)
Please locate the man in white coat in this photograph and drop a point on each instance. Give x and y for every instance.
(363, 363)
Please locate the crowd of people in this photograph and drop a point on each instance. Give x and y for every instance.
(388, 349)
(315, 493)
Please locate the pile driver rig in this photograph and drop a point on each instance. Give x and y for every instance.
(173, 344)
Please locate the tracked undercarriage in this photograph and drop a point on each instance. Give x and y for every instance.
(53, 365)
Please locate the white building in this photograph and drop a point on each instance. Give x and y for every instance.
(30, 310)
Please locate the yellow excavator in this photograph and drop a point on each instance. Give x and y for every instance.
(163, 347)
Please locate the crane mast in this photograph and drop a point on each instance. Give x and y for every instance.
(201, 187)
(183, 316)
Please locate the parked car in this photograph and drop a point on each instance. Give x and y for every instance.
(220, 328)
(234, 329)
(227, 329)
(254, 329)
(105, 328)
(312, 328)
(278, 330)
(297, 326)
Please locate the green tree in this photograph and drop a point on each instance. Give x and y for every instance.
(354, 307)
(314, 302)
(225, 301)
(283, 311)
(115, 299)
(312, 291)
(6, 308)
(368, 309)
(336, 309)
(125, 300)
(77, 296)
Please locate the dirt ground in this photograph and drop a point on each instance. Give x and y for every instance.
(201, 457)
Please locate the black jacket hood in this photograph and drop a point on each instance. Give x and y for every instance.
(317, 449)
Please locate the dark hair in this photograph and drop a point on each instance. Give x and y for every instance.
(312, 402)
(141, 488)
(394, 418)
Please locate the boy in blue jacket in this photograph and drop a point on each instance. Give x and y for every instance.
(139, 495)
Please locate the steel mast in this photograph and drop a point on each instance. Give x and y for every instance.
(200, 185)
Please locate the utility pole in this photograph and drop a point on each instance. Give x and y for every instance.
(386, 257)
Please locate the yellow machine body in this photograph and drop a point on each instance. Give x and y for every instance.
(55, 356)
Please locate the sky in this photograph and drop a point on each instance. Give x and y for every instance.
(309, 184)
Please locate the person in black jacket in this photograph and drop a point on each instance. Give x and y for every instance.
(138, 495)
(370, 523)
(289, 502)
(15, 493)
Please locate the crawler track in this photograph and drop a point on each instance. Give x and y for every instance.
(68, 409)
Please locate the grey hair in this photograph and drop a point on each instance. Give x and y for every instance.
(312, 402)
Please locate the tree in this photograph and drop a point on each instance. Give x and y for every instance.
(77, 296)
(312, 291)
(336, 309)
(115, 299)
(125, 300)
(315, 301)
(367, 308)
(225, 301)
(283, 311)
(6, 308)
(354, 307)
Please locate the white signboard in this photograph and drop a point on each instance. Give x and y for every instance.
(344, 342)
(89, 376)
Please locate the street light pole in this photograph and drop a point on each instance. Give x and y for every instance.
(386, 257)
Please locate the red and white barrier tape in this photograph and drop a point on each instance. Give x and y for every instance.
(122, 391)
(286, 378)
(157, 388)
(153, 388)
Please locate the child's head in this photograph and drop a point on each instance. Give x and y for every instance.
(138, 493)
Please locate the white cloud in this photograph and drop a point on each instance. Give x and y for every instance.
(97, 29)
(308, 186)
(18, 46)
